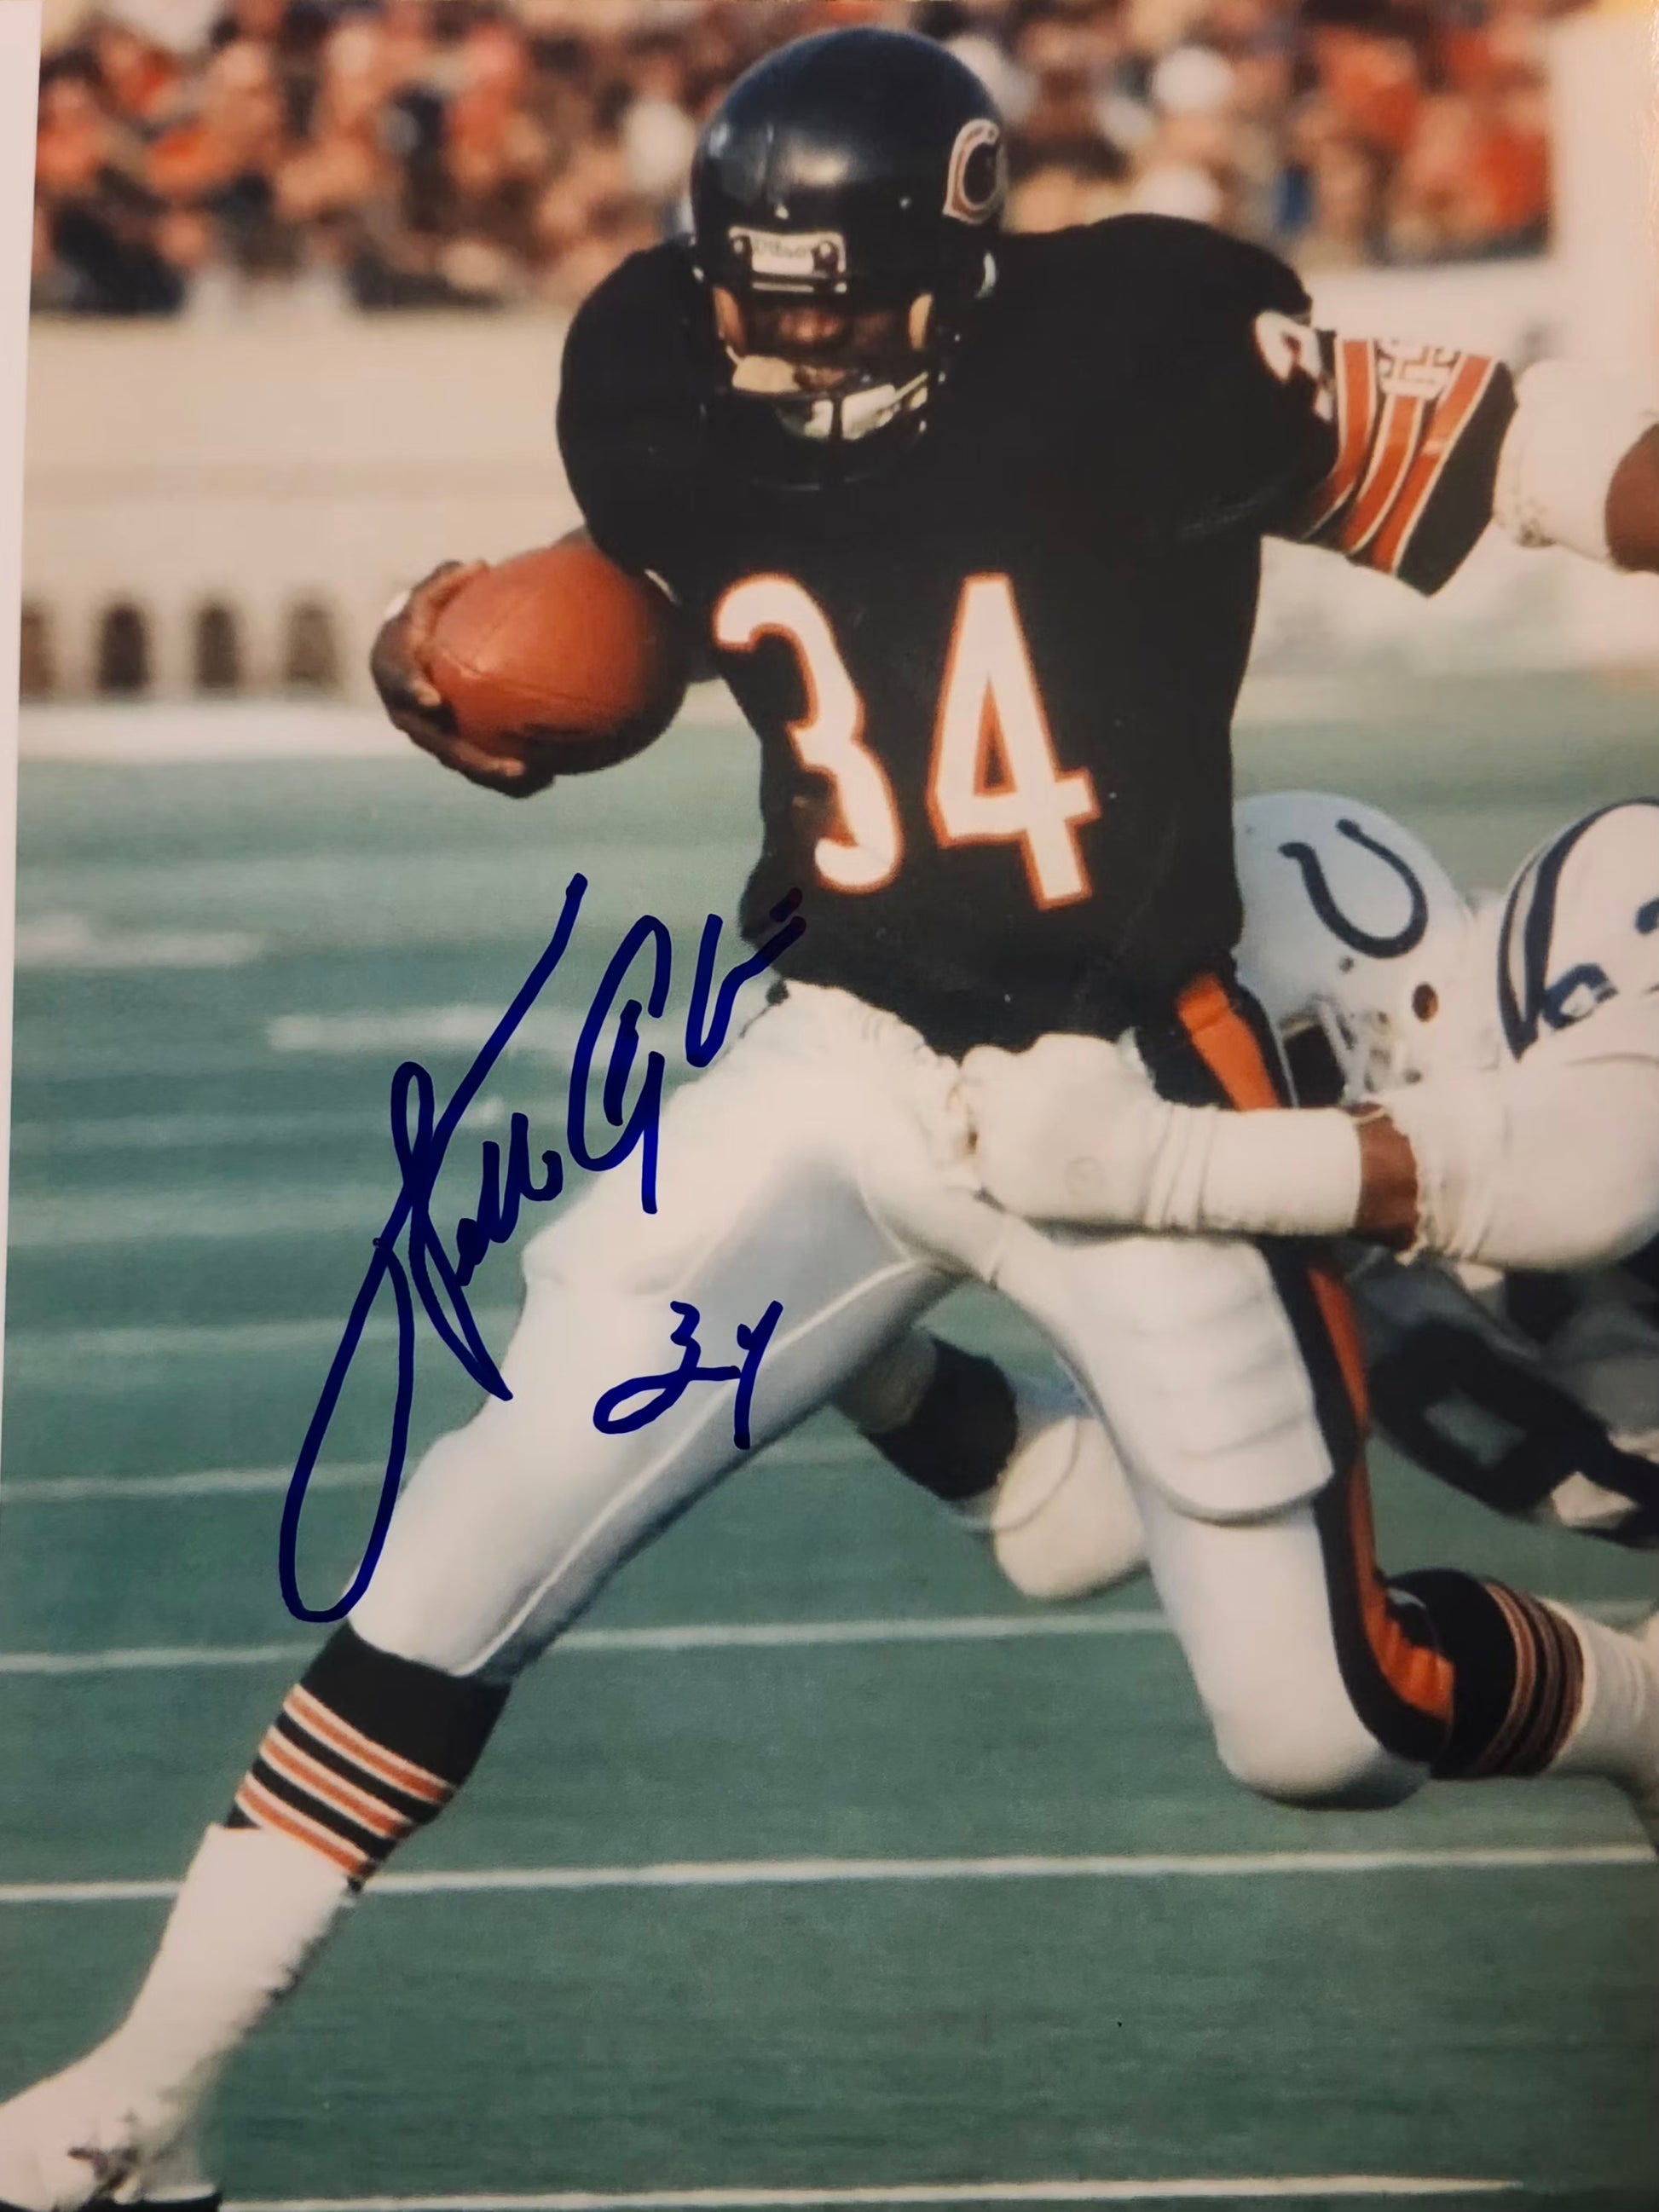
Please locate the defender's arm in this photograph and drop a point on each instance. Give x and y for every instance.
(1552, 1163)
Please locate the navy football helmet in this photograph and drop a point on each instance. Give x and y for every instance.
(861, 174)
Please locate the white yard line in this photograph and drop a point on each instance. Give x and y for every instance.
(210, 1482)
(157, 1658)
(834, 1447)
(200, 1133)
(691, 1636)
(1359, 2186)
(818, 1872)
(64, 1358)
(96, 1221)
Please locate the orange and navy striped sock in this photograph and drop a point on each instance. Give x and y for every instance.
(1518, 1674)
(367, 1748)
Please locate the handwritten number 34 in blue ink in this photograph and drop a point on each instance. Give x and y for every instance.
(411, 1259)
(660, 1394)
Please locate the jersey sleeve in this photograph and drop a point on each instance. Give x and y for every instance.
(627, 426)
(1419, 431)
(1201, 435)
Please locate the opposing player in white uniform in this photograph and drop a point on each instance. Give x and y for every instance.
(1481, 1085)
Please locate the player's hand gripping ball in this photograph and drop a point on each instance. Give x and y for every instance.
(556, 662)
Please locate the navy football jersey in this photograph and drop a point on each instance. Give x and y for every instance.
(994, 680)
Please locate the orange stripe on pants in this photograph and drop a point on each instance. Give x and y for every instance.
(1228, 1046)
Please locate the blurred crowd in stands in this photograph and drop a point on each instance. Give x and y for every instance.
(486, 152)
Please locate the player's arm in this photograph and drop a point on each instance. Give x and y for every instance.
(1431, 444)
(1550, 1163)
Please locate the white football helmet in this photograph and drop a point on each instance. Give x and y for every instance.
(1353, 931)
(1580, 923)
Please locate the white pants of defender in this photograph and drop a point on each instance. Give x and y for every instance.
(821, 1164)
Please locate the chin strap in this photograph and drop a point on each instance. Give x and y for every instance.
(846, 419)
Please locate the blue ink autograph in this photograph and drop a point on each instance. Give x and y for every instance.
(660, 1392)
(424, 1271)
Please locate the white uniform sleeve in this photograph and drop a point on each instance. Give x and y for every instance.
(1552, 1162)
(1570, 430)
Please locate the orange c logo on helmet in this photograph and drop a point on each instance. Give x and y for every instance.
(978, 179)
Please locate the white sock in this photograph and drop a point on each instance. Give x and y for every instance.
(1616, 1734)
(252, 1911)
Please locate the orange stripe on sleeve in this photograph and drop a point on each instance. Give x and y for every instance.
(1356, 417)
(1447, 423)
(1404, 416)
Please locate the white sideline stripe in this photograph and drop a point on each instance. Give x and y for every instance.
(188, 731)
(1184, 2192)
(810, 1872)
(693, 1636)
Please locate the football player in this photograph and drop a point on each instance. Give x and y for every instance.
(1480, 1084)
(972, 527)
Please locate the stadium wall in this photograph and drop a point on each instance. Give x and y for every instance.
(247, 495)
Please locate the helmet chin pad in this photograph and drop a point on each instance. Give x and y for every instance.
(856, 410)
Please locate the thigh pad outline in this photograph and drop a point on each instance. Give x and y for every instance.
(1188, 1351)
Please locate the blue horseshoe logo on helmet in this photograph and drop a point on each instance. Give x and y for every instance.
(1351, 934)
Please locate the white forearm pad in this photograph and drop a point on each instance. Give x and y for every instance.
(1570, 432)
(1277, 1172)
(1551, 1166)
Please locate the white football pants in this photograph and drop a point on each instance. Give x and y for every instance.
(823, 1164)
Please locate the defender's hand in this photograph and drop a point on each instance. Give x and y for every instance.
(397, 661)
(1072, 1130)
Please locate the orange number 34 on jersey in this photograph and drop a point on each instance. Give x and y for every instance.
(992, 779)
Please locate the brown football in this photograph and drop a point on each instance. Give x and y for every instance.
(561, 648)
